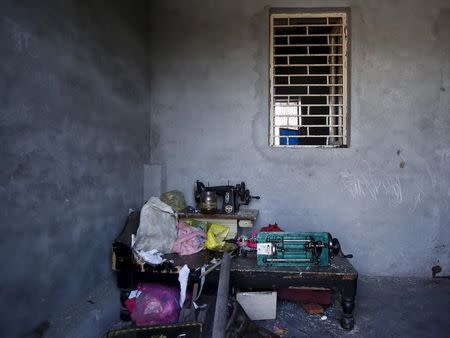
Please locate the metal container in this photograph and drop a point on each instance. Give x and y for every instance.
(208, 202)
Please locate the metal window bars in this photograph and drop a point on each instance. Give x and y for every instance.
(308, 80)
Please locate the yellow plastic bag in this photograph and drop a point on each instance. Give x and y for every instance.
(216, 236)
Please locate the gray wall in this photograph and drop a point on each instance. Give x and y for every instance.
(209, 103)
(72, 123)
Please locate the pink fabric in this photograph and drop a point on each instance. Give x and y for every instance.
(189, 240)
(251, 243)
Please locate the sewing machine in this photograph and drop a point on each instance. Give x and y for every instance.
(296, 249)
(232, 196)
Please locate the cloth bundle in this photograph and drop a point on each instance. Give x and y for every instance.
(189, 240)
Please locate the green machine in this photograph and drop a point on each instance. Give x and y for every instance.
(296, 248)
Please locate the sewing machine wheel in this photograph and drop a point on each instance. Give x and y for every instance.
(335, 246)
(244, 194)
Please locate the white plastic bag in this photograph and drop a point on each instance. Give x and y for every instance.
(157, 227)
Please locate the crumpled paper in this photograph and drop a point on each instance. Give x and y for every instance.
(152, 256)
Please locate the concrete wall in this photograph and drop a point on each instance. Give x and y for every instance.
(209, 103)
(72, 126)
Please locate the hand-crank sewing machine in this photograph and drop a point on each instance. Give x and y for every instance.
(232, 197)
(296, 249)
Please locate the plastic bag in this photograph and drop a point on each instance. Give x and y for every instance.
(155, 304)
(175, 199)
(216, 236)
(157, 227)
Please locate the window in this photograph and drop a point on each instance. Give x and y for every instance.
(308, 80)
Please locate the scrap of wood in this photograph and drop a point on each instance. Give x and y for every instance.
(313, 309)
(114, 261)
(139, 261)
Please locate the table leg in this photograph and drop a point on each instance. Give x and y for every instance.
(348, 294)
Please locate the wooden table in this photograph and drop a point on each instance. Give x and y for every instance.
(340, 275)
(242, 214)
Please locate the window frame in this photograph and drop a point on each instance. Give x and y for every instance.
(343, 13)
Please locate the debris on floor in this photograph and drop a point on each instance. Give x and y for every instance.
(280, 331)
(313, 309)
(312, 301)
(298, 323)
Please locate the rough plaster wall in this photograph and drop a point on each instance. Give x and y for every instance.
(72, 126)
(209, 103)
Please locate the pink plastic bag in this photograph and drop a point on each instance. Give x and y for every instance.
(155, 305)
(189, 240)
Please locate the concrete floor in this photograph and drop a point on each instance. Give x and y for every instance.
(91, 317)
(385, 307)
